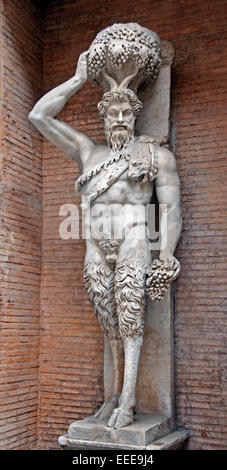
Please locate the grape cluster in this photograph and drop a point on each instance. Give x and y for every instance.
(159, 278)
(116, 31)
(125, 43)
(119, 52)
(153, 64)
(97, 60)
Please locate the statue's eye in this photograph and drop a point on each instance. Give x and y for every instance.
(112, 113)
(127, 112)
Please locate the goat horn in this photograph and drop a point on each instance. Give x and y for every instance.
(110, 80)
(128, 79)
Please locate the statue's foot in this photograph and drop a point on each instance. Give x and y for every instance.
(120, 418)
(104, 413)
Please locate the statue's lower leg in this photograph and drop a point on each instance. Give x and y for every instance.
(123, 415)
(106, 410)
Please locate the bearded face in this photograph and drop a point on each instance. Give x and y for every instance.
(119, 124)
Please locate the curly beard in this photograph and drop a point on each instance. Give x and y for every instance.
(118, 139)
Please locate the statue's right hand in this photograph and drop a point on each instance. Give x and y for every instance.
(81, 69)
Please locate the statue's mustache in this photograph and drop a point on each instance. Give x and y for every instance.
(118, 126)
(122, 126)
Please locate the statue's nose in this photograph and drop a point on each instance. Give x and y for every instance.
(120, 117)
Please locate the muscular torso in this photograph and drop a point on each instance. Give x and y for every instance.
(123, 191)
(122, 206)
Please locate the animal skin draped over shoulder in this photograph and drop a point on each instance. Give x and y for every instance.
(139, 157)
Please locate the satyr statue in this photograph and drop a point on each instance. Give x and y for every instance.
(117, 179)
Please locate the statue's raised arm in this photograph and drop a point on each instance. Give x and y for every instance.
(42, 116)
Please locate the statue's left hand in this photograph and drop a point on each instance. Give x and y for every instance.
(162, 272)
(170, 261)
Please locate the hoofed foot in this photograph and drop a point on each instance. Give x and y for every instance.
(120, 418)
(104, 413)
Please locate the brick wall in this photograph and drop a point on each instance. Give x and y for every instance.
(20, 231)
(199, 108)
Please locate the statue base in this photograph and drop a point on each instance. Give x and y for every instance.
(148, 432)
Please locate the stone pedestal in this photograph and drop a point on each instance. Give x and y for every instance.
(141, 431)
(144, 430)
(148, 432)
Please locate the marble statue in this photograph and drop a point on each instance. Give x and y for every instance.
(119, 273)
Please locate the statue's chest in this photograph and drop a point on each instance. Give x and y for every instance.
(124, 178)
(125, 191)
